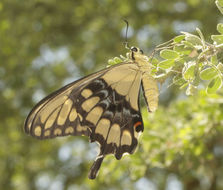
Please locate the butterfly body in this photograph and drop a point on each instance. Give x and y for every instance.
(103, 106)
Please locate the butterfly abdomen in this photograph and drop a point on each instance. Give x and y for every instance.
(150, 92)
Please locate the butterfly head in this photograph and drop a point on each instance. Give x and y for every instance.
(138, 56)
(136, 50)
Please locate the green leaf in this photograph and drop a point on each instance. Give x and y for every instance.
(111, 62)
(220, 28)
(214, 85)
(166, 64)
(195, 40)
(189, 71)
(182, 50)
(201, 36)
(191, 90)
(114, 61)
(217, 38)
(178, 80)
(196, 80)
(188, 44)
(179, 38)
(208, 73)
(220, 67)
(117, 60)
(122, 57)
(169, 54)
(184, 85)
(153, 60)
(214, 60)
(219, 4)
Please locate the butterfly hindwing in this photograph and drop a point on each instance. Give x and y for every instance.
(110, 118)
(112, 113)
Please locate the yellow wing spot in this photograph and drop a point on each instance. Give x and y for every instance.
(37, 131)
(81, 128)
(73, 114)
(90, 103)
(94, 115)
(126, 138)
(51, 119)
(114, 134)
(57, 132)
(103, 127)
(47, 133)
(69, 130)
(86, 93)
(80, 117)
(51, 107)
(64, 112)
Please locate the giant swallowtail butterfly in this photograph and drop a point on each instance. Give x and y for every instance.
(103, 106)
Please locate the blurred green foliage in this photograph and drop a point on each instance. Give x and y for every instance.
(46, 44)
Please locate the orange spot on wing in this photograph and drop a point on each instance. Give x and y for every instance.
(137, 124)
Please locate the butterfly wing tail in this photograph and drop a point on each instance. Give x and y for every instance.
(95, 167)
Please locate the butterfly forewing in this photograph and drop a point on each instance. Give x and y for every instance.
(51, 116)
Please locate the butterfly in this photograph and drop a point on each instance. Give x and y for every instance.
(103, 106)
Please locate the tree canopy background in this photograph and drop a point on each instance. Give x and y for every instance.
(47, 44)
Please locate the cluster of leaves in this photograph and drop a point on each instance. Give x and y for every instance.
(189, 59)
(188, 140)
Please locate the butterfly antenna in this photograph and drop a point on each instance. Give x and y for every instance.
(126, 34)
